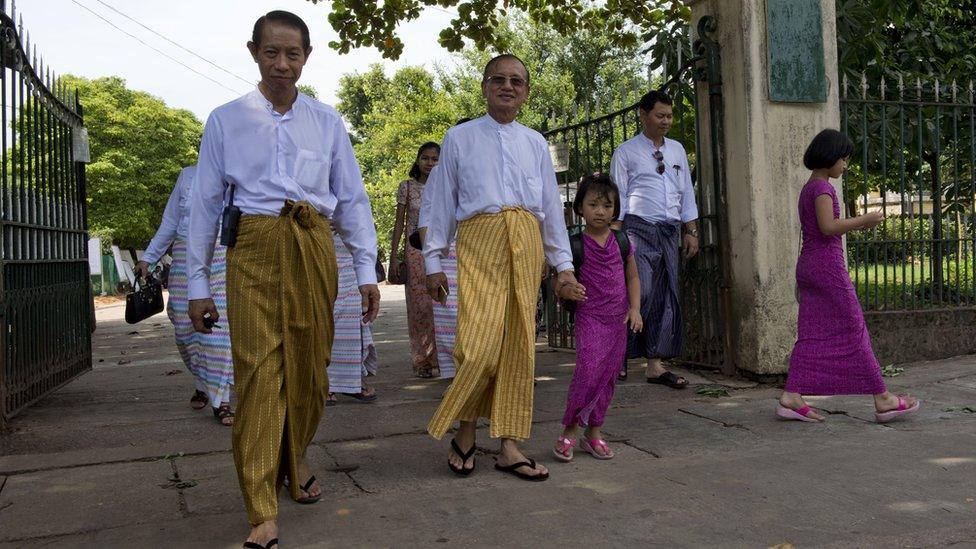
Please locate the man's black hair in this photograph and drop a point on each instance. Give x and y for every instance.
(653, 97)
(826, 149)
(603, 186)
(495, 60)
(285, 18)
(415, 169)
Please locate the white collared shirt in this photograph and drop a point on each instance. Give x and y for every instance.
(667, 197)
(176, 217)
(304, 154)
(485, 167)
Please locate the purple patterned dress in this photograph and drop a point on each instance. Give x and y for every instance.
(601, 334)
(833, 354)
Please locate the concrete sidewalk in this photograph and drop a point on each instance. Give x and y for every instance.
(117, 458)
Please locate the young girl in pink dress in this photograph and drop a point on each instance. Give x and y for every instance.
(607, 301)
(832, 355)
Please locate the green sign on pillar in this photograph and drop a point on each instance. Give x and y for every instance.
(796, 51)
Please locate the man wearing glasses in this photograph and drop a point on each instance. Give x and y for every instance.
(657, 199)
(495, 184)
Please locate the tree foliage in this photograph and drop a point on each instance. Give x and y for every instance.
(371, 23)
(888, 38)
(138, 146)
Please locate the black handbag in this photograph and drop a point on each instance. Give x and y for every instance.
(145, 300)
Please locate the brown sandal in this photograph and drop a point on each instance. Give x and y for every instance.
(222, 413)
(199, 400)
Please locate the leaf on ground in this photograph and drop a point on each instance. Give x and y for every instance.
(891, 370)
(186, 484)
(174, 372)
(124, 361)
(714, 392)
(969, 410)
(134, 333)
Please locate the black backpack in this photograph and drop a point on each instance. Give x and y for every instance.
(576, 247)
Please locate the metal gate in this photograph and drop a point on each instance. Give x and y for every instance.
(45, 289)
(588, 146)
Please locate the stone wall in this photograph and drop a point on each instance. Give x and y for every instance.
(909, 336)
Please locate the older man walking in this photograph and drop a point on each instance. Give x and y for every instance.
(495, 183)
(287, 161)
(657, 201)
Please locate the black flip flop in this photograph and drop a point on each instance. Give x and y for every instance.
(669, 379)
(256, 545)
(465, 456)
(512, 470)
(331, 400)
(304, 488)
(199, 397)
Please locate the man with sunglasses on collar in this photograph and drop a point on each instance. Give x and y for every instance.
(657, 201)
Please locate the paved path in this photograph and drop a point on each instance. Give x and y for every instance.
(118, 459)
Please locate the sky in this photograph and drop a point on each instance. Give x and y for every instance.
(73, 40)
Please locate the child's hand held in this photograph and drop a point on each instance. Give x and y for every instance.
(634, 319)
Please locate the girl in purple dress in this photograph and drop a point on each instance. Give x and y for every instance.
(832, 355)
(607, 301)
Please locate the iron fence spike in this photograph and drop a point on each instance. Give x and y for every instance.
(882, 88)
(918, 87)
(864, 86)
(901, 86)
(844, 86)
(937, 89)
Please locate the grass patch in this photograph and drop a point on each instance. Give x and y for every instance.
(714, 392)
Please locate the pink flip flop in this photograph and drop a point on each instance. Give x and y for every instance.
(564, 452)
(589, 446)
(800, 414)
(902, 409)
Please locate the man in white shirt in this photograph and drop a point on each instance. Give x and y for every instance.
(290, 163)
(657, 199)
(496, 186)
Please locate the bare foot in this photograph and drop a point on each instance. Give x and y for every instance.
(889, 401)
(795, 402)
(465, 438)
(510, 454)
(305, 473)
(263, 533)
(595, 434)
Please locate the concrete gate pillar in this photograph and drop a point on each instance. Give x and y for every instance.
(777, 95)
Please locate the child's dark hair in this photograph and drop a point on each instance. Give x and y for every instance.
(603, 186)
(826, 149)
(415, 169)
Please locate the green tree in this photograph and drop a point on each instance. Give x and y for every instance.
(138, 147)
(390, 117)
(370, 23)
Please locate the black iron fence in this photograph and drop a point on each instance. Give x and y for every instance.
(45, 298)
(587, 146)
(914, 161)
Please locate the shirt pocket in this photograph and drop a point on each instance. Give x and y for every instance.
(311, 169)
(532, 191)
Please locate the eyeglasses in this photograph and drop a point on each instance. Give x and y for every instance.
(659, 156)
(499, 81)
